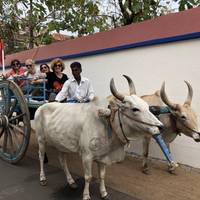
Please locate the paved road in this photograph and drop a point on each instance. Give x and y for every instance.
(21, 182)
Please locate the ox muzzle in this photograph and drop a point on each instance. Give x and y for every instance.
(196, 136)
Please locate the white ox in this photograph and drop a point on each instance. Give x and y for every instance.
(181, 119)
(78, 128)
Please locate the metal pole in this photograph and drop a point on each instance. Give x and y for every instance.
(2, 55)
(3, 63)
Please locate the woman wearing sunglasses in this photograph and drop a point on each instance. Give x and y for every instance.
(16, 72)
(16, 69)
(44, 68)
(56, 78)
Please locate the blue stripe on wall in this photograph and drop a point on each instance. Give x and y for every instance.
(129, 46)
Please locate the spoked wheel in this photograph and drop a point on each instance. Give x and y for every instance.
(14, 122)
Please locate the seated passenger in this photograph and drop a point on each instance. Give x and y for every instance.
(32, 73)
(33, 76)
(56, 78)
(77, 89)
(44, 68)
(16, 72)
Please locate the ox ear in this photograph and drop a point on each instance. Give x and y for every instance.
(165, 98)
(188, 100)
(132, 89)
(114, 91)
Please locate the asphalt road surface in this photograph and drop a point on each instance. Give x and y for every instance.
(21, 182)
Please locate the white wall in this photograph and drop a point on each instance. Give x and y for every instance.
(149, 67)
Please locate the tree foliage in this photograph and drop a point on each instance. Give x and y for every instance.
(124, 12)
(28, 23)
(187, 4)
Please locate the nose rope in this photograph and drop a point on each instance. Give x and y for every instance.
(188, 127)
(137, 120)
(184, 124)
(125, 140)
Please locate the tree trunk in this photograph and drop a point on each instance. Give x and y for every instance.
(31, 26)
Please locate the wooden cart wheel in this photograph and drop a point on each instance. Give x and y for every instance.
(14, 122)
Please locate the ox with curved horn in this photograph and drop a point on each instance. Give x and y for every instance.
(119, 96)
(186, 119)
(165, 98)
(180, 120)
(134, 119)
(188, 101)
(114, 91)
(92, 138)
(132, 89)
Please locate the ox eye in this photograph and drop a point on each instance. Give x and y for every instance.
(135, 110)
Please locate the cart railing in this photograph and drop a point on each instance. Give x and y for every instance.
(28, 88)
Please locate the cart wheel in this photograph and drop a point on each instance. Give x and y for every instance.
(14, 122)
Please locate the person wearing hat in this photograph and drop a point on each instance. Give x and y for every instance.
(77, 89)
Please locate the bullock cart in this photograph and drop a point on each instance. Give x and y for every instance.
(16, 111)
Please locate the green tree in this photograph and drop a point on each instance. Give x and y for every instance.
(80, 17)
(124, 12)
(187, 4)
(26, 23)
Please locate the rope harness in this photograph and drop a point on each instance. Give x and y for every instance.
(123, 138)
(157, 110)
(190, 129)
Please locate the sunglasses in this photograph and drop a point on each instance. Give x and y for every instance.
(58, 65)
(16, 64)
(43, 68)
(28, 66)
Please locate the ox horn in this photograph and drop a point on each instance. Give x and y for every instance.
(114, 91)
(132, 89)
(165, 98)
(190, 94)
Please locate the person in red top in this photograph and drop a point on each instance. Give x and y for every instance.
(56, 78)
(16, 72)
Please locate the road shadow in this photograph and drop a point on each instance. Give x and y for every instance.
(66, 193)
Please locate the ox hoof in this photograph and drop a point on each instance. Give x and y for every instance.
(172, 167)
(106, 197)
(43, 182)
(73, 186)
(172, 171)
(146, 171)
(86, 198)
